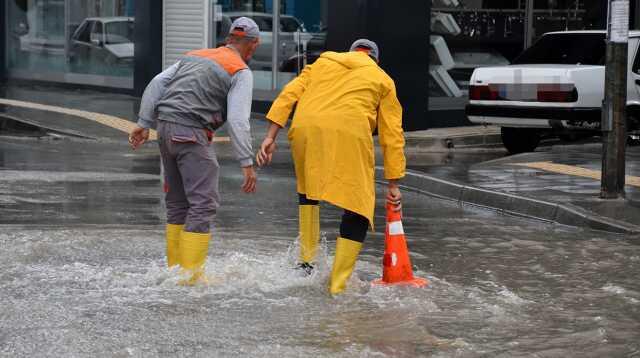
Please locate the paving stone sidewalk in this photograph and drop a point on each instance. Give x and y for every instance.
(566, 175)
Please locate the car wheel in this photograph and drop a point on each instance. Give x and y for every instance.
(575, 136)
(520, 140)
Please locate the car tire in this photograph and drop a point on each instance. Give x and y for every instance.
(575, 136)
(520, 140)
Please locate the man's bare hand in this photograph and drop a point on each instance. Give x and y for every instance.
(138, 137)
(394, 196)
(265, 154)
(250, 179)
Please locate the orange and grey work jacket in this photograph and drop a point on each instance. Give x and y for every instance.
(205, 89)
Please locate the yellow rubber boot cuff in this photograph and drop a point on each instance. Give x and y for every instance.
(347, 252)
(194, 248)
(173, 244)
(309, 221)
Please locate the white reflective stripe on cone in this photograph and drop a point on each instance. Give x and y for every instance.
(395, 228)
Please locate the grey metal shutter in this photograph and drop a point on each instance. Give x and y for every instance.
(185, 27)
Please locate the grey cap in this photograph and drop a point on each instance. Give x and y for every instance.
(367, 46)
(244, 27)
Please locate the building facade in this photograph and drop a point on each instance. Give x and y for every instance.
(430, 48)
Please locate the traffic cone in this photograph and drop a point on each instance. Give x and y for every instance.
(396, 264)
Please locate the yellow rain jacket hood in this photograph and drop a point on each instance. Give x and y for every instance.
(341, 99)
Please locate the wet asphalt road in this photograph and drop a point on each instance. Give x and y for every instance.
(81, 242)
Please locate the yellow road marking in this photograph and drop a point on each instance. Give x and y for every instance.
(575, 171)
(114, 122)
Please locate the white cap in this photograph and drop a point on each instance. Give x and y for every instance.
(244, 27)
(367, 46)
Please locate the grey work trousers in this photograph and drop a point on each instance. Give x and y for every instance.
(191, 173)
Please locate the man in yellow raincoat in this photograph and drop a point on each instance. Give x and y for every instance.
(341, 100)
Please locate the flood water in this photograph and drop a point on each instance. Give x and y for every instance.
(88, 279)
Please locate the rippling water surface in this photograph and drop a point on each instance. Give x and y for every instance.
(500, 286)
(521, 290)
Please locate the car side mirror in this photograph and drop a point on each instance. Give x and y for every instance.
(96, 42)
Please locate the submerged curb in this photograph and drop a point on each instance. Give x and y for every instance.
(448, 143)
(511, 204)
(4, 118)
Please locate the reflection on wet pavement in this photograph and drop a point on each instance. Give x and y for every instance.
(77, 182)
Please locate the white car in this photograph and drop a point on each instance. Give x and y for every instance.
(554, 87)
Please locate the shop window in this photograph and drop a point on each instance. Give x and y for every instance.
(301, 34)
(78, 41)
(468, 34)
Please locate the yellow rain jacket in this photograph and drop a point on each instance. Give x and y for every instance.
(341, 99)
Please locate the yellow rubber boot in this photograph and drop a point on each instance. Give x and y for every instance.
(173, 244)
(309, 221)
(347, 252)
(194, 248)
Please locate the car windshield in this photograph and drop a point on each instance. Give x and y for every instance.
(566, 49)
(119, 32)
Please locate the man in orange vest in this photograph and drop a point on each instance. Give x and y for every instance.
(190, 101)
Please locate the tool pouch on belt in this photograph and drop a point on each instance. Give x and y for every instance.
(210, 134)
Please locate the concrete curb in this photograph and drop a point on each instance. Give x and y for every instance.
(448, 143)
(511, 204)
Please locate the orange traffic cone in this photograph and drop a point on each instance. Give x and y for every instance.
(396, 263)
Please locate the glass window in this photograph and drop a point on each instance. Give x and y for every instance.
(97, 34)
(119, 32)
(302, 36)
(78, 41)
(264, 22)
(261, 63)
(301, 33)
(563, 15)
(290, 24)
(83, 32)
(566, 49)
